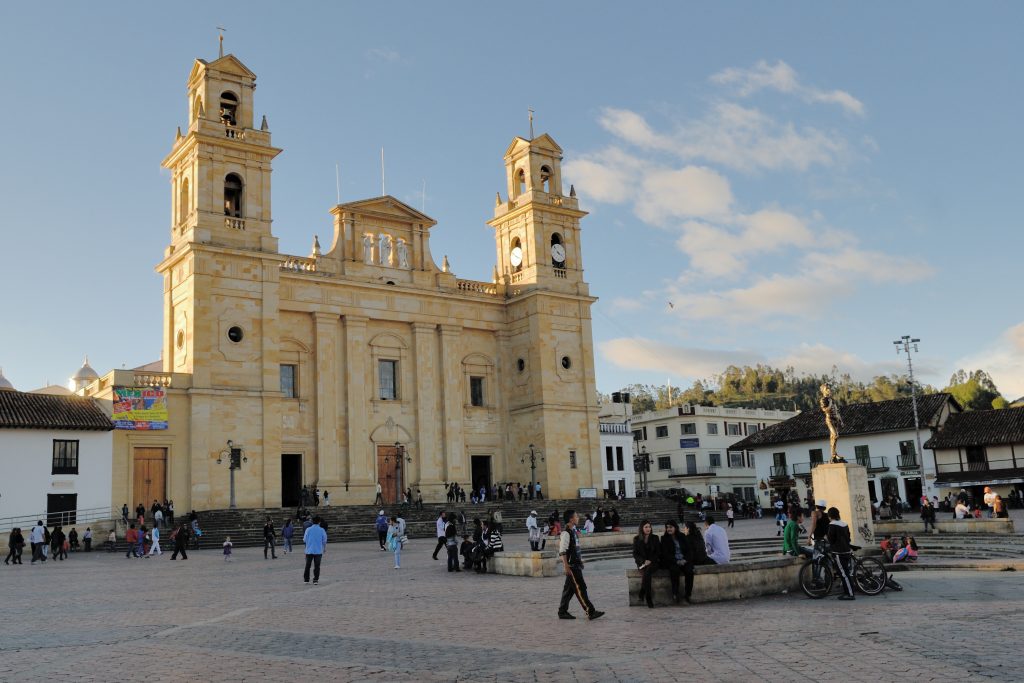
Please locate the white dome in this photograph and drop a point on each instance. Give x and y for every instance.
(5, 384)
(86, 372)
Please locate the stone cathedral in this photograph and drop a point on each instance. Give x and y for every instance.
(364, 362)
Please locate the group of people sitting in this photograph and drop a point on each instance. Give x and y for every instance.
(678, 551)
(601, 520)
(899, 549)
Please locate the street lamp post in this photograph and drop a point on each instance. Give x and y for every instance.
(534, 456)
(907, 344)
(235, 460)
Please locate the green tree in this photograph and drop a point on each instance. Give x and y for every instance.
(975, 390)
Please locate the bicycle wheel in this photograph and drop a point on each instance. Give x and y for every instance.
(869, 575)
(816, 588)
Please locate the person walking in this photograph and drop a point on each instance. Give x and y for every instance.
(228, 545)
(839, 541)
(439, 527)
(269, 536)
(180, 542)
(646, 552)
(111, 541)
(15, 543)
(140, 542)
(158, 518)
(87, 539)
(730, 515)
(170, 514)
(124, 515)
(572, 566)
(131, 537)
(315, 539)
(928, 515)
(35, 538)
(58, 547)
(379, 500)
(327, 499)
(394, 541)
(287, 532)
(381, 525)
(155, 549)
(533, 530)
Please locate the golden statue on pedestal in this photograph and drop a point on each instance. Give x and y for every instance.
(832, 417)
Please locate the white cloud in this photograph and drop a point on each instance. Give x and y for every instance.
(679, 193)
(383, 54)
(1003, 359)
(689, 363)
(734, 136)
(782, 78)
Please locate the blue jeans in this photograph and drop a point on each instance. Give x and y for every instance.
(453, 558)
(398, 554)
(287, 544)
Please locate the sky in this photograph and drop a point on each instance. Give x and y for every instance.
(790, 183)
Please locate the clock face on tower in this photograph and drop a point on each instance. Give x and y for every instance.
(516, 257)
(558, 254)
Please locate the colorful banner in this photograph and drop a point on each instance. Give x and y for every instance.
(140, 408)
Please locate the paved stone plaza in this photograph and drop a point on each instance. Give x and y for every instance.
(103, 617)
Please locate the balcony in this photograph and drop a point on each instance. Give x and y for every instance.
(973, 472)
(907, 461)
(779, 472)
(803, 469)
(693, 472)
(874, 464)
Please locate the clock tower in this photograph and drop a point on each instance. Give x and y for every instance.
(537, 230)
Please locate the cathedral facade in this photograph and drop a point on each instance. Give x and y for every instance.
(364, 362)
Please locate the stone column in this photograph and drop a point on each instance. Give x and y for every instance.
(326, 371)
(845, 486)
(361, 461)
(453, 465)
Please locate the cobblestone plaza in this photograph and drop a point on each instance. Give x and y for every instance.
(101, 617)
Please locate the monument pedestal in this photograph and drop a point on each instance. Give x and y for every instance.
(845, 486)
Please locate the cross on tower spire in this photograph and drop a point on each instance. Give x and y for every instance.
(531, 121)
(221, 39)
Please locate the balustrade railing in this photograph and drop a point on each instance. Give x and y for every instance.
(234, 223)
(298, 264)
(477, 287)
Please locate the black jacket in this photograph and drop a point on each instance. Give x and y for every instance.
(839, 536)
(695, 551)
(642, 552)
(668, 549)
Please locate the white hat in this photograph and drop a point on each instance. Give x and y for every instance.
(820, 502)
(533, 512)
(381, 512)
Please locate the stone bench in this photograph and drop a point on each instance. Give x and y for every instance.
(908, 525)
(733, 581)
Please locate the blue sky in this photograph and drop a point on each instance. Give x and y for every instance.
(794, 183)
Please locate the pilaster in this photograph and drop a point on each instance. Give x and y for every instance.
(428, 464)
(325, 327)
(360, 459)
(454, 464)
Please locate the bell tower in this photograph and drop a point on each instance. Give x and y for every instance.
(220, 167)
(537, 230)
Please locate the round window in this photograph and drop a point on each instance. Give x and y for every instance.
(521, 364)
(566, 362)
(235, 334)
(180, 339)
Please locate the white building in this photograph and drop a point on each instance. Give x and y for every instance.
(879, 436)
(689, 447)
(981, 448)
(617, 446)
(55, 455)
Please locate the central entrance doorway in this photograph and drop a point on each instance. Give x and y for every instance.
(389, 473)
(291, 479)
(61, 508)
(481, 472)
(149, 475)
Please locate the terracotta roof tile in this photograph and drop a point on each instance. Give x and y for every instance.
(980, 428)
(21, 410)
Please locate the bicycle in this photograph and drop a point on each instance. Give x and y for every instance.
(817, 576)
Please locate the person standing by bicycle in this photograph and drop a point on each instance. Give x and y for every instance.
(838, 536)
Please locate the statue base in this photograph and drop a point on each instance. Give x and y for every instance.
(845, 486)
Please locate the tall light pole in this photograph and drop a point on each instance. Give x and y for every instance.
(534, 457)
(907, 344)
(235, 460)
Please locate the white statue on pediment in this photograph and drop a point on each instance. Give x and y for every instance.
(368, 248)
(402, 249)
(384, 249)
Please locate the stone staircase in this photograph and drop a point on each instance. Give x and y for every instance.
(356, 522)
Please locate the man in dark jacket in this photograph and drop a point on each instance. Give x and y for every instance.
(180, 541)
(269, 535)
(839, 541)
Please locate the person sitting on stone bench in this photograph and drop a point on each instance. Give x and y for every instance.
(673, 558)
(646, 554)
(791, 536)
(715, 541)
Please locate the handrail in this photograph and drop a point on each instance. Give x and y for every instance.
(63, 518)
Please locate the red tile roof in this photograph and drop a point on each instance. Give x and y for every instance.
(21, 410)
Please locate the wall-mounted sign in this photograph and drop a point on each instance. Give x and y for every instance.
(689, 443)
(140, 408)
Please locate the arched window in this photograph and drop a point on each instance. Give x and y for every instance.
(516, 255)
(197, 108)
(545, 178)
(233, 190)
(183, 203)
(520, 182)
(228, 108)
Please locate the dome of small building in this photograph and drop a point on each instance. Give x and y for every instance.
(5, 384)
(84, 377)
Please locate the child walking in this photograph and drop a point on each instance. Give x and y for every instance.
(227, 549)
